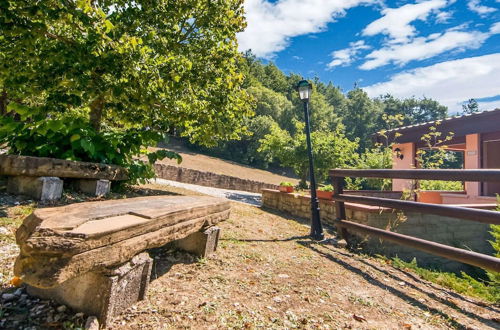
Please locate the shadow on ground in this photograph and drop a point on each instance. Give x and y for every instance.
(331, 255)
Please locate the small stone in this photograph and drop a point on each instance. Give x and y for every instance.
(4, 231)
(283, 276)
(92, 323)
(6, 297)
(61, 309)
(18, 292)
(79, 315)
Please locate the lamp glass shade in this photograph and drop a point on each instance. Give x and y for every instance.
(305, 89)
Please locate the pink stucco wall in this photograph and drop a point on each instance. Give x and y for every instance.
(408, 161)
(472, 160)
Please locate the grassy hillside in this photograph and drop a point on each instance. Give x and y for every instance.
(221, 166)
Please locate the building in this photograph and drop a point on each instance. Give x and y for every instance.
(477, 136)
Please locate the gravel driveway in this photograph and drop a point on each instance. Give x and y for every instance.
(234, 195)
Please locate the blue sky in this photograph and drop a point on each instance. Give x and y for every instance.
(448, 50)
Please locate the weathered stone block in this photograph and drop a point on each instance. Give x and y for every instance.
(44, 188)
(103, 294)
(202, 243)
(60, 243)
(93, 187)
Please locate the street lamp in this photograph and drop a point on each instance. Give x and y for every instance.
(305, 90)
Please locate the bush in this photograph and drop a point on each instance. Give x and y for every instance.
(73, 138)
(286, 184)
(326, 188)
(441, 185)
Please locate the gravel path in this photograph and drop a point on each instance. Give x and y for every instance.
(234, 195)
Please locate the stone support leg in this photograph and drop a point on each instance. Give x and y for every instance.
(202, 243)
(93, 187)
(104, 294)
(45, 188)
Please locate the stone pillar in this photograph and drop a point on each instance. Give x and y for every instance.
(407, 151)
(472, 161)
(45, 188)
(202, 243)
(93, 187)
(103, 294)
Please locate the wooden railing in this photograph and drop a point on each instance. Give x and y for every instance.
(468, 257)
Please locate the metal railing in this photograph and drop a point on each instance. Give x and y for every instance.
(484, 216)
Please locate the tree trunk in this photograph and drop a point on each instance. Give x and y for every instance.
(3, 103)
(96, 112)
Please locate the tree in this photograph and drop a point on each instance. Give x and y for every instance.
(470, 107)
(360, 117)
(414, 110)
(139, 65)
(269, 102)
(330, 150)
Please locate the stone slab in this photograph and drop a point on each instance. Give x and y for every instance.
(103, 294)
(57, 244)
(41, 166)
(203, 244)
(40, 188)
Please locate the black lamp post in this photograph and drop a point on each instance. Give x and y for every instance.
(305, 89)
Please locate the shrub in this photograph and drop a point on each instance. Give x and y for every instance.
(73, 138)
(286, 184)
(326, 188)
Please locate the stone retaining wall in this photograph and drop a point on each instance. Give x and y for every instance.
(209, 179)
(450, 231)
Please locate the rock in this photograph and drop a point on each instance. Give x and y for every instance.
(42, 166)
(6, 297)
(61, 243)
(92, 323)
(4, 231)
(61, 309)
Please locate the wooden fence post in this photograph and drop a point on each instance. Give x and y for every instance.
(338, 188)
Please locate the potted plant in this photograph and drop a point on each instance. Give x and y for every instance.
(286, 187)
(325, 192)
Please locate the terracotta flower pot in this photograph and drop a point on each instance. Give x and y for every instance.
(324, 194)
(286, 189)
(430, 196)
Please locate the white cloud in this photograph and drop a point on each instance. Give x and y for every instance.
(444, 16)
(347, 55)
(475, 6)
(421, 48)
(395, 22)
(450, 83)
(271, 25)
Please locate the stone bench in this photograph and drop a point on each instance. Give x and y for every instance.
(40, 177)
(90, 256)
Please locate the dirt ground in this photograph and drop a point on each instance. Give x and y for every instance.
(220, 166)
(268, 274)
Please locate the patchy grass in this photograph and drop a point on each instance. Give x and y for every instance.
(462, 283)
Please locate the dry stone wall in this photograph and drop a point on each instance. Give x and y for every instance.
(450, 231)
(209, 179)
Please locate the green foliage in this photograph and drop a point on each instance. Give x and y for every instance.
(124, 71)
(470, 107)
(414, 111)
(360, 116)
(462, 283)
(441, 185)
(331, 150)
(73, 138)
(328, 187)
(435, 156)
(495, 243)
(378, 157)
(286, 184)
